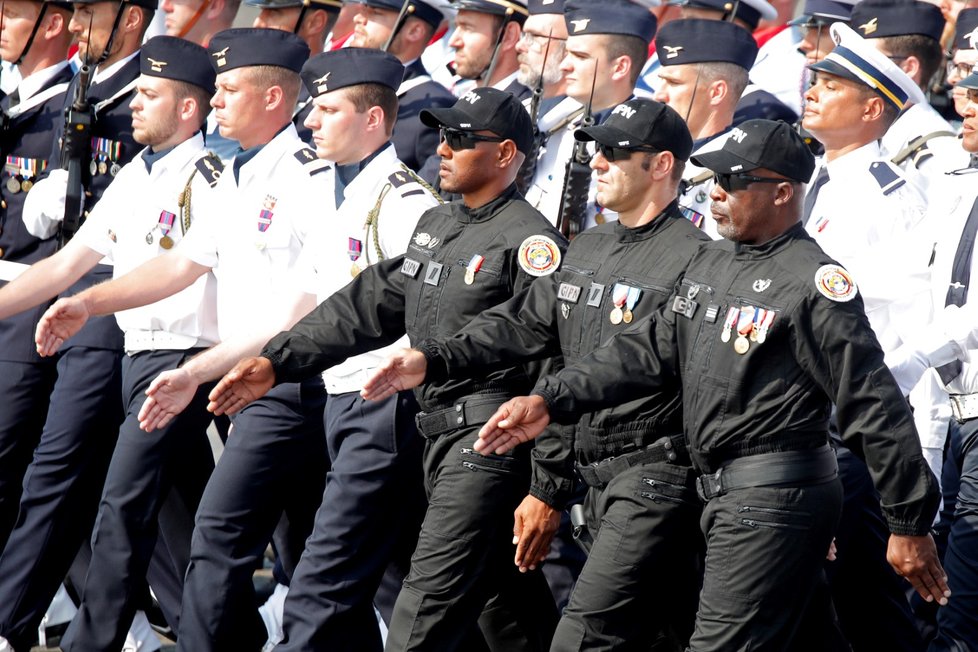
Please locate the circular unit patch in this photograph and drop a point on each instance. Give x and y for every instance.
(539, 255)
(835, 283)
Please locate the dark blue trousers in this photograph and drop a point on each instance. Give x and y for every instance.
(25, 388)
(275, 460)
(957, 623)
(367, 525)
(61, 488)
(144, 468)
(869, 596)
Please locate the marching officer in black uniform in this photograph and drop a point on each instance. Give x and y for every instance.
(376, 26)
(764, 333)
(642, 507)
(64, 481)
(464, 257)
(25, 143)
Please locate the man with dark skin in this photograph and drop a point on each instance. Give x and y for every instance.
(465, 256)
(761, 351)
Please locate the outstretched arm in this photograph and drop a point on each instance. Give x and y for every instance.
(173, 390)
(47, 278)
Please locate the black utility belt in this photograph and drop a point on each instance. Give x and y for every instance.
(468, 411)
(667, 449)
(781, 469)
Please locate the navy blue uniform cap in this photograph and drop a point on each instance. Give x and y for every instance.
(336, 69)
(179, 59)
(255, 46)
(328, 5)
(609, 17)
(426, 12)
(749, 11)
(966, 29)
(539, 7)
(881, 18)
(697, 40)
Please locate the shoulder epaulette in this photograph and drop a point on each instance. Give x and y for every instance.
(312, 163)
(210, 167)
(408, 183)
(887, 176)
(917, 148)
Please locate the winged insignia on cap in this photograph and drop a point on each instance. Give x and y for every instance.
(580, 24)
(321, 82)
(673, 51)
(972, 37)
(221, 53)
(157, 66)
(870, 27)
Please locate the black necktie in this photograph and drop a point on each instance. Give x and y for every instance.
(957, 291)
(820, 180)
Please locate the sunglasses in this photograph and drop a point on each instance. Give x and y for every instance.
(735, 182)
(621, 153)
(459, 140)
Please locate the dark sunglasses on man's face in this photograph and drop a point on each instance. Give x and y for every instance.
(458, 140)
(621, 153)
(735, 182)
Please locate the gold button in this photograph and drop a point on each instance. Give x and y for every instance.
(3, 203)
(1, 252)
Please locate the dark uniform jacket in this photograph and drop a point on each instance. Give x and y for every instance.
(424, 294)
(112, 124)
(817, 349)
(414, 142)
(570, 312)
(25, 136)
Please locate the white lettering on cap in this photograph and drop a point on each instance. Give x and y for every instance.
(471, 97)
(624, 110)
(737, 135)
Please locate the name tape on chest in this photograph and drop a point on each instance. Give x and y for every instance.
(569, 293)
(539, 256)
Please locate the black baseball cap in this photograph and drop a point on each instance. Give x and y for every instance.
(488, 109)
(761, 144)
(642, 123)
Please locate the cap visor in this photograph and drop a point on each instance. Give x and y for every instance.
(833, 68)
(449, 117)
(607, 135)
(971, 81)
(723, 161)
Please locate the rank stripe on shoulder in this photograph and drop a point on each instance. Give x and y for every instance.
(886, 176)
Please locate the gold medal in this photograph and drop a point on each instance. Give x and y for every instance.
(26, 185)
(13, 185)
(753, 333)
(469, 277)
(166, 242)
(741, 345)
(354, 270)
(103, 167)
(617, 316)
(627, 316)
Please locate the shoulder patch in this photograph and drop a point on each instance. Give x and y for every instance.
(210, 167)
(312, 163)
(835, 283)
(887, 176)
(539, 255)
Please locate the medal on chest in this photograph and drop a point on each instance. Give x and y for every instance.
(265, 216)
(354, 249)
(472, 268)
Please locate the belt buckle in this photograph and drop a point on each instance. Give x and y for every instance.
(711, 484)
